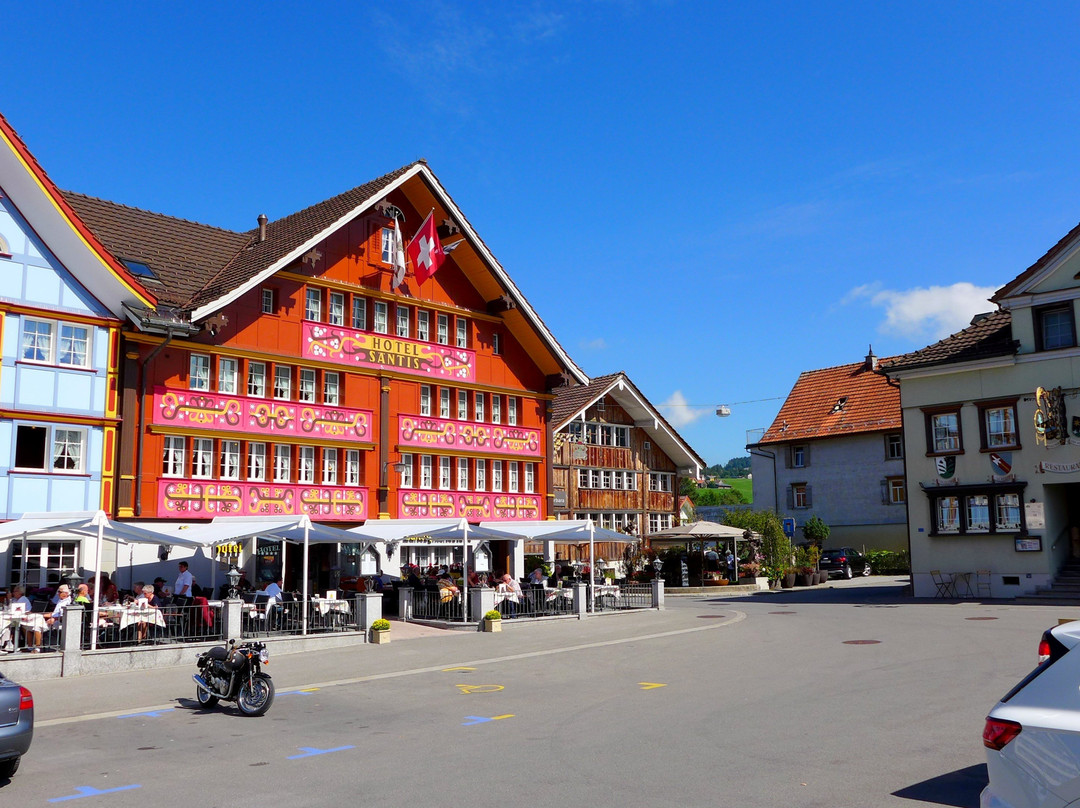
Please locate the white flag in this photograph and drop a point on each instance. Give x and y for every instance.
(399, 257)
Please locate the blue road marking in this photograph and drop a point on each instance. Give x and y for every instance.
(90, 791)
(150, 714)
(311, 751)
(475, 719)
(297, 693)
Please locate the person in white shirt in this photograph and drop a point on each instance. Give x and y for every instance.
(183, 582)
(19, 599)
(273, 589)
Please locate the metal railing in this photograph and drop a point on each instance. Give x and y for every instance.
(536, 602)
(264, 619)
(119, 626)
(429, 604)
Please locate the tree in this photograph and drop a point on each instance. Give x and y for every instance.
(687, 487)
(774, 544)
(815, 530)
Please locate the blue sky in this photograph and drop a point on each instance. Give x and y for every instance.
(711, 197)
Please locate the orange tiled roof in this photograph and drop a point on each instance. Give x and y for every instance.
(813, 409)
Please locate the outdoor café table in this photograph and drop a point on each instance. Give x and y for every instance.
(332, 608)
(961, 584)
(128, 615)
(504, 593)
(18, 618)
(606, 591)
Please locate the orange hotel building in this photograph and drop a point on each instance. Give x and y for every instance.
(282, 373)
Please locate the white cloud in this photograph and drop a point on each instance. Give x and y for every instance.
(679, 413)
(934, 312)
(598, 344)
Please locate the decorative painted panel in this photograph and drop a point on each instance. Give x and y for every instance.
(472, 506)
(187, 499)
(362, 349)
(258, 416)
(431, 433)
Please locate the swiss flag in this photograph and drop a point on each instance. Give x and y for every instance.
(425, 251)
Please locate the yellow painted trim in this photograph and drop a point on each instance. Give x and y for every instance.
(250, 437)
(112, 375)
(53, 314)
(58, 418)
(64, 216)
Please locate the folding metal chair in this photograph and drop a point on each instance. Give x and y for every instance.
(982, 583)
(943, 583)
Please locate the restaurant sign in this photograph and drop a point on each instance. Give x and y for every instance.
(431, 433)
(258, 416)
(383, 352)
(473, 506)
(192, 498)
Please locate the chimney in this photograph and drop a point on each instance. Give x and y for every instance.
(262, 227)
(871, 360)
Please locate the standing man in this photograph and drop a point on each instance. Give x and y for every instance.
(182, 592)
(733, 576)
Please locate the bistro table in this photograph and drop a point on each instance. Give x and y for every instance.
(14, 619)
(333, 611)
(958, 579)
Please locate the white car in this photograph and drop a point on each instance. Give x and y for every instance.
(1032, 736)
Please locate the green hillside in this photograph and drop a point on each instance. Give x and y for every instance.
(743, 486)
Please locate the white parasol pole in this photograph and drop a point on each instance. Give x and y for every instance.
(307, 525)
(592, 567)
(465, 573)
(97, 582)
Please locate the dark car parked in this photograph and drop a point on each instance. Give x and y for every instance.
(845, 561)
(16, 725)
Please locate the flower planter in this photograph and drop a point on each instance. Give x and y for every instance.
(788, 581)
(380, 637)
(492, 625)
(715, 582)
(822, 577)
(805, 579)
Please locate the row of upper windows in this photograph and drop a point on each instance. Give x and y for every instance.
(262, 376)
(321, 305)
(989, 512)
(623, 522)
(54, 342)
(599, 434)
(467, 474)
(480, 401)
(51, 448)
(893, 492)
(618, 480)
(997, 428)
(798, 454)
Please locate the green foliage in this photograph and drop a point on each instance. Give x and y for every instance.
(380, 625)
(887, 562)
(716, 496)
(744, 486)
(534, 561)
(687, 487)
(492, 615)
(774, 544)
(815, 530)
(735, 467)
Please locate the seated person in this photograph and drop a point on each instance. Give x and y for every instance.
(56, 616)
(537, 577)
(474, 579)
(109, 593)
(273, 589)
(447, 588)
(414, 578)
(82, 595)
(146, 600)
(512, 589)
(160, 589)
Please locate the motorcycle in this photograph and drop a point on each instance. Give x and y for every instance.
(234, 674)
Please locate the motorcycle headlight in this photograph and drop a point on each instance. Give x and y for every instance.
(264, 657)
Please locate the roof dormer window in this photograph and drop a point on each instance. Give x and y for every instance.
(840, 404)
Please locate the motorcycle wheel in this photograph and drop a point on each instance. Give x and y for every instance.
(205, 699)
(256, 697)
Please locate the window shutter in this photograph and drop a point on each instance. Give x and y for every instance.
(806, 455)
(809, 498)
(790, 497)
(884, 492)
(787, 456)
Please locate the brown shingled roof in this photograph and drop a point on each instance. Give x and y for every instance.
(986, 337)
(813, 408)
(288, 233)
(183, 254)
(1047, 257)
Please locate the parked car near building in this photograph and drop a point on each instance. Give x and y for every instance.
(845, 561)
(16, 725)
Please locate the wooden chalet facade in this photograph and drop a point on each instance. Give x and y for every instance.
(616, 460)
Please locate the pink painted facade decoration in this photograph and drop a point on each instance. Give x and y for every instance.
(381, 351)
(258, 416)
(473, 506)
(422, 432)
(188, 499)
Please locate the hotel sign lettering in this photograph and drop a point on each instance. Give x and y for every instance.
(430, 433)
(258, 416)
(383, 352)
(194, 498)
(472, 506)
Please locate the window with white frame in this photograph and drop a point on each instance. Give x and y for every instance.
(202, 457)
(530, 478)
(305, 390)
(463, 405)
(425, 471)
(442, 329)
(33, 441)
(987, 509)
(425, 399)
(583, 478)
(282, 463)
(230, 460)
(331, 387)
(999, 425)
(359, 313)
(402, 313)
(496, 408)
(352, 467)
(444, 473)
(798, 456)
(47, 563)
(659, 521)
(948, 514)
(1007, 512)
(389, 245)
(380, 325)
(423, 325)
(595, 478)
(199, 372)
(897, 491)
(256, 380)
(227, 375)
(511, 410)
(329, 467)
(305, 470)
(894, 446)
(496, 475)
(978, 513)
(800, 495)
(55, 343)
(605, 478)
(462, 474)
(943, 432)
(478, 404)
(659, 481)
(256, 465)
(173, 456)
(282, 382)
(313, 305)
(268, 301)
(496, 343)
(462, 332)
(406, 478)
(481, 474)
(444, 402)
(336, 309)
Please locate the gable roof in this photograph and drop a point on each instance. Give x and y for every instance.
(74, 244)
(988, 336)
(572, 402)
(830, 402)
(1068, 242)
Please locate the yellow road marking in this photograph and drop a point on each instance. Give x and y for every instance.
(650, 685)
(479, 688)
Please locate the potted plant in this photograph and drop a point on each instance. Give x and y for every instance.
(788, 581)
(380, 631)
(492, 621)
